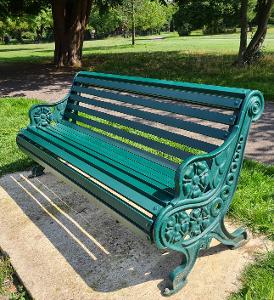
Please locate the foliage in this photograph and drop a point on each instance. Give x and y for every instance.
(149, 16)
(257, 280)
(104, 23)
(212, 15)
(17, 25)
(9, 285)
(271, 20)
(43, 23)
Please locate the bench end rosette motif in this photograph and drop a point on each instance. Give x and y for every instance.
(42, 115)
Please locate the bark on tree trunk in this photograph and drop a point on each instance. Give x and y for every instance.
(70, 19)
(133, 22)
(244, 24)
(252, 52)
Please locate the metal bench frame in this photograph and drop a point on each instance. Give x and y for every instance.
(204, 184)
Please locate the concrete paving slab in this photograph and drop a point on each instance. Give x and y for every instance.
(63, 247)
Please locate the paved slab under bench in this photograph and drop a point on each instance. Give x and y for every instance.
(64, 247)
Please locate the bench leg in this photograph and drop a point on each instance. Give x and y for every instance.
(233, 240)
(36, 171)
(178, 277)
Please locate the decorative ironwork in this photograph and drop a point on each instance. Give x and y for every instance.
(43, 115)
(196, 179)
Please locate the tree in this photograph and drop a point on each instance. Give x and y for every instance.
(248, 54)
(16, 26)
(212, 15)
(42, 22)
(70, 19)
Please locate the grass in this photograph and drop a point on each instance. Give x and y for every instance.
(197, 58)
(253, 203)
(10, 287)
(14, 115)
(257, 280)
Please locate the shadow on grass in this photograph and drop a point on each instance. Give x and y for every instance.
(18, 165)
(175, 65)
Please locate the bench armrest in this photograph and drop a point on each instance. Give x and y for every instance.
(206, 173)
(45, 114)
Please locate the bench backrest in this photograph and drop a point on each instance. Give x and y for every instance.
(199, 117)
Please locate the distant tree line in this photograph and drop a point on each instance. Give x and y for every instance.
(68, 22)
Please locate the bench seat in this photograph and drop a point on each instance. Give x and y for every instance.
(164, 156)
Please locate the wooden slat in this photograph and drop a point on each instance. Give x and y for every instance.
(139, 163)
(174, 94)
(121, 207)
(106, 165)
(166, 120)
(148, 159)
(116, 156)
(109, 180)
(180, 139)
(142, 154)
(170, 107)
(195, 87)
(133, 137)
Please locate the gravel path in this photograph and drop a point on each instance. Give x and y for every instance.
(46, 83)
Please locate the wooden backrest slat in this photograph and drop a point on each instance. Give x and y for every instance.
(164, 92)
(133, 137)
(187, 86)
(181, 109)
(136, 151)
(166, 120)
(174, 137)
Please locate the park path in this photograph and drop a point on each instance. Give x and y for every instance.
(46, 83)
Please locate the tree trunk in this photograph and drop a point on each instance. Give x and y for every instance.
(132, 22)
(252, 52)
(244, 25)
(70, 19)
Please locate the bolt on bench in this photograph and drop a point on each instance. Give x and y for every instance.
(163, 156)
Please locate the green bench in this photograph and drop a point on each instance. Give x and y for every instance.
(163, 156)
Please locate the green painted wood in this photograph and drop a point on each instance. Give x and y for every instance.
(142, 154)
(82, 163)
(107, 166)
(151, 170)
(189, 126)
(170, 107)
(133, 137)
(128, 212)
(196, 87)
(106, 155)
(174, 94)
(174, 137)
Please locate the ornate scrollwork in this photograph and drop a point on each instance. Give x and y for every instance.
(185, 225)
(196, 179)
(256, 107)
(43, 115)
(182, 225)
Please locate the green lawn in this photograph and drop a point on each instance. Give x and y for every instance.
(253, 204)
(10, 287)
(14, 115)
(257, 280)
(197, 58)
